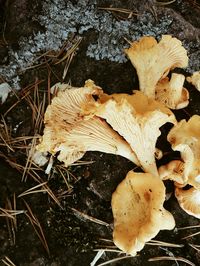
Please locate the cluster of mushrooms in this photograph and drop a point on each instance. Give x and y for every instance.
(86, 119)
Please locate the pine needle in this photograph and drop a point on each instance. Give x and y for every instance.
(196, 247)
(165, 3)
(7, 261)
(88, 217)
(37, 227)
(34, 190)
(163, 258)
(115, 260)
(164, 244)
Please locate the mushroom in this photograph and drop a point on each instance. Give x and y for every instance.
(173, 171)
(171, 92)
(195, 79)
(137, 119)
(189, 200)
(185, 138)
(153, 60)
(70, 134)
(138, 211)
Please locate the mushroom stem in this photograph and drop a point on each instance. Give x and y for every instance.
(176, 86)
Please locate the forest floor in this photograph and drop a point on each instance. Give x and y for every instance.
(67, 218)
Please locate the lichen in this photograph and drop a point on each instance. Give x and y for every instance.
(61, 18)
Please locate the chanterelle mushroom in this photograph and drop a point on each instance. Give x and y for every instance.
(138, 211)
(174, 171)
(195, 79)
(138, 119)
(185, 138)
(69, 133)
(153, 60)
(171, 92)
(189, 200)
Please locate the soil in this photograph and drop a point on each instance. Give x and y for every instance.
(71, 237)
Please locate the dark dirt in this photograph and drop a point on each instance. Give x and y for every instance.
(70, 237)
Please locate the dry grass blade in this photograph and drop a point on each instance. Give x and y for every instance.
(88, 217)
(164, 244)
(7, 261)
(37, 227)
(172, 259)
(115, 260)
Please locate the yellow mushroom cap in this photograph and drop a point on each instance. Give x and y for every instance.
(189, 201)
(137, 206)
(171, 92)
(137, 123)
(185, 138)
(71, 134)
(195, 79)
(153, 60)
